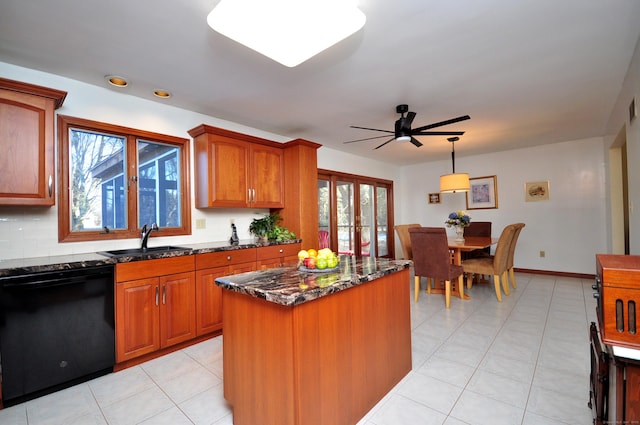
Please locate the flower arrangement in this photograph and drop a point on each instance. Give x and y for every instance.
(458, 218)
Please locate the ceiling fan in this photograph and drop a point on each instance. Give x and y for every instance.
(404, 133)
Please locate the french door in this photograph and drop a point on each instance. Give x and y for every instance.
(355, 214)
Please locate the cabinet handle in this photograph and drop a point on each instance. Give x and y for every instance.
(164, 294)
(157, 294)
(50, 185)
(228, 258)
(281, 251)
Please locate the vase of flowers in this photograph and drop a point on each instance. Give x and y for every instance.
(458, 220)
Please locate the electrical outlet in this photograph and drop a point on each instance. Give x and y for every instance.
(542, 254)
(201, 223)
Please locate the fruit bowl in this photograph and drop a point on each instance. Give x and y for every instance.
(320, 261)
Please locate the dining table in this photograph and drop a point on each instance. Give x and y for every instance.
(470, 243)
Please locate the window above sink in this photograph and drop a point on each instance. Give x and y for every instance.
(116, 179)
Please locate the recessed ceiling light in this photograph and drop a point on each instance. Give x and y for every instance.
(163, 94)
(116, 81)
(287, 31)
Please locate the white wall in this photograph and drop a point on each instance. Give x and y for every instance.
(619, 121)
(570, 227)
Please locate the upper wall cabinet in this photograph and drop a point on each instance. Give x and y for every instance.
(237, 170)
(27, 140)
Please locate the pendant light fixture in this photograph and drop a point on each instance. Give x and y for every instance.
(452, 183)
(287, 31)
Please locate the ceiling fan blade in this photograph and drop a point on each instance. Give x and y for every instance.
(373, 129)
(437, 133)
(390, 140)
(441, 123)
(368, 138)
(415, 142)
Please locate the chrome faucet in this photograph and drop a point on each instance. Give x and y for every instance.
(144, 237)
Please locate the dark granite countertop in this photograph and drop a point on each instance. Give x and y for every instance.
(16, 267)
(290, 286)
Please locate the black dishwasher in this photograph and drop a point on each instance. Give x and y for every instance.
(56, 330)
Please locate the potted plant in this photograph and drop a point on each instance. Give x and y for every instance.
(260, 227)
(266, 228)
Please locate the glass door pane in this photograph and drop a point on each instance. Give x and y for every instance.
(345, 217)
(324, 214)
(367, 221)
(382, 221)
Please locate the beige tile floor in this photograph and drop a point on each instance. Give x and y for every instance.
(523, 361)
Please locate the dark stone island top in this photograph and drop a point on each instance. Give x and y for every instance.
(290, 286)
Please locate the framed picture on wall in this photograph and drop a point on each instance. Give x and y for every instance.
(536, 191)
(434, 198)
(483, 193)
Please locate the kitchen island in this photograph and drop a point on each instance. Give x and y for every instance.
(305, 348)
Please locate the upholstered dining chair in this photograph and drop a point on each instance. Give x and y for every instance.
(495, 265)
(478, 228)
(512, 251)
(431, 259)
(405, 241)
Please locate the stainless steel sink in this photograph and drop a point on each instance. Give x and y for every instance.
(138, 252)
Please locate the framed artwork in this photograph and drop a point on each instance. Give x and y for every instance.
(483, 193)
(434, 198)
(536, 191)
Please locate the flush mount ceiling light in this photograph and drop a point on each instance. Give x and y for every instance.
(116, 81)
(163, 94)
(287, 31)
(452, 183)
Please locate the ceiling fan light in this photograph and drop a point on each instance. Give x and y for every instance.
(452, 183)
(403, 139)
(287, 31)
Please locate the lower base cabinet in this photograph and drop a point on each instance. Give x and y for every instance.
(278, 255)
(154, 312)
(168, 301)
(210, 266)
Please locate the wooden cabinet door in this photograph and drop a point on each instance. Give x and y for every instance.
(222, 172)
(27, 139)
(137, 318)
(177, 308)
(267, 174)
(209, 300)
(237, 170)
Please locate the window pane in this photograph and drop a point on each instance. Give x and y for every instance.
(97, 175)
(382, 220)
(158, 184)
(324, 214)
(345, 218)
(366, 220)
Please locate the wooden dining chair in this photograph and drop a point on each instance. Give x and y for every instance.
(405, 241)
(495, 265)
(512, 251)
(431, 259)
